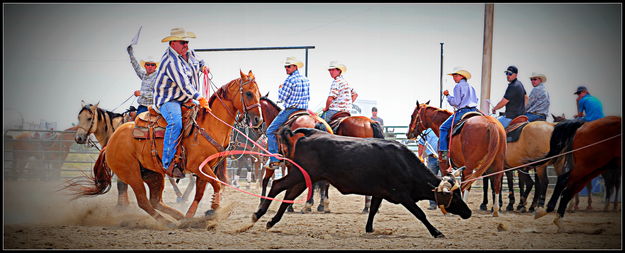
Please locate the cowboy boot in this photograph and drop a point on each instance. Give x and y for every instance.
(443, 162)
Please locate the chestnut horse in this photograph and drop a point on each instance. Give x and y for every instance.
(102, 123)
(479, 147)
(354, 126)
(596, 148)
(131, 159)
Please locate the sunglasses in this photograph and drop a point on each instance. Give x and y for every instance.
(182, 42)
(533, 79)
(150, 64)
(286, 67)
(509, 73)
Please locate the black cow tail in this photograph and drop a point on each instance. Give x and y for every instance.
(377, 130)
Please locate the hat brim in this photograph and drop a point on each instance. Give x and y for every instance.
(298, 64)
(185, 37)
(144, 62)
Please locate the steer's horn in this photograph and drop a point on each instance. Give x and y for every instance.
(456, 186)
(456, 173)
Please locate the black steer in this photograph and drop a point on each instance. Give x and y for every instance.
(383, 169)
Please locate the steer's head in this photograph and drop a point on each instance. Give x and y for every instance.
(448, 198)
(287, 140)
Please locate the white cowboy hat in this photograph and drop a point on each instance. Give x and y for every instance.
(541, 76)
(337, 65)
(178, 34)
(149, 59)
(461, 71)
(293, 61)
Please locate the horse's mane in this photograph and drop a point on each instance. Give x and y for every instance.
(221, 92)
(438, 110)
(101, 112)
(271, 102)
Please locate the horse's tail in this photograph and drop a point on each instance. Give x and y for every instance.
(221, 171)
(494, 140)
(377, 130)
(98, 184)
(562, 138)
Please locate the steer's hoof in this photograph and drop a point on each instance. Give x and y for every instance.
(209, 213)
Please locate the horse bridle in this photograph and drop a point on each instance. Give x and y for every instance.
(246, 108)
(92, 120)
(420, 123)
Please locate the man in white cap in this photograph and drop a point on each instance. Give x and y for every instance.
(464, 100)
(295, 94)
(147, 76)
(341, 94)
(538, 102)
(177, 82)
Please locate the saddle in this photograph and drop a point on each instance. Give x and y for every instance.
(458, 126)
(151, 125)
(294, 116)
(513, 131)
(336, 120)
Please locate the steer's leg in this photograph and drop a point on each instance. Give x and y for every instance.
(290, 194)
(417, 212)
(375, 204)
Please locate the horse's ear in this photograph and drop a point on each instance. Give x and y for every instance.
(267, 94)
(243, 76)
(82, 103)
(428, 102)
(96, 105)
(250, 75)
(417, 102)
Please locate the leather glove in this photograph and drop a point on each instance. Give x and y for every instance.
(203, 102)
(137, 93)
(446, 92)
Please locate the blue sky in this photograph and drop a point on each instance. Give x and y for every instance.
(56, 55)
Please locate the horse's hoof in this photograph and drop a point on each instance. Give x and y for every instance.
(365, 210)
(509, 208)
(269, 225)
(320, 208)
(290, 209)
(327, 211)
(531, 210)
(439, 236)
(254, 217)
(306, 210)
(483, 207)
(540, 213)
(209, 213)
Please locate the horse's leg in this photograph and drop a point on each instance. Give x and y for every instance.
(543, 181)
(510, 177)
(551, 205)
(324, 205)
(190, 187)
(410, 204)
(200, 187)
(122, 194)
(310, 202)
(525, 184)
(375, 205)
(367, 204)
(290, 194)
(497, 185)
(589, 189)
(174, 185)
(485, 198)
(142, 199)
(156, 183)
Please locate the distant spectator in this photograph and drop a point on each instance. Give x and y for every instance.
(588, 104)
(374, 116)
(538, 103)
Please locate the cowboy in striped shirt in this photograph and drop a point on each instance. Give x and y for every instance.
(176, 82)
(295, 94)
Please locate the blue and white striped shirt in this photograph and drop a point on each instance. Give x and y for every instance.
(177, 79)
(295, 91)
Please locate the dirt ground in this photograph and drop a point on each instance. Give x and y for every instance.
(36, 216)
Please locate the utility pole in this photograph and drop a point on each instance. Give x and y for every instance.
(487, 57)
(440, 90)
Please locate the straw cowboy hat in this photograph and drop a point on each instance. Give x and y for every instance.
(337, 65)
(541, 76)
(293, 61)
(461, 71)
(179, 34)
(149, 59)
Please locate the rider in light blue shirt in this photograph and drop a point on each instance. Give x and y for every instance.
(588, 104)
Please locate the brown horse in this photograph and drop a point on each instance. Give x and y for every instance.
(131, 159)
(479, 147)
(596, 148)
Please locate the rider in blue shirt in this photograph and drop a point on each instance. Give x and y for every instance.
(588, 104)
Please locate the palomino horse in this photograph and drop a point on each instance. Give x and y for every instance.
(131, 159)
(479, 147)
(354, 126)
(102, 123)
(596, 148)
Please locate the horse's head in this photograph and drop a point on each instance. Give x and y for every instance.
(448, 198)
(87, 121)
(270, 109)
(244, 95)
(417, 124)
(558, 118)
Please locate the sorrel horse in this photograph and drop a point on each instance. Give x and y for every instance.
(596, 148)
(479, 147)
(132, 161)
(102, 123)
(354, 126)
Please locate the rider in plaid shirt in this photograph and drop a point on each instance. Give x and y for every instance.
(295, 93)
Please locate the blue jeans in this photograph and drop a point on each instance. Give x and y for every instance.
(142, 108)
(504, 121)
(432, 164)
(534, 117)
(272, 142)
(443, 140)
(173, 115)
(328, 115)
